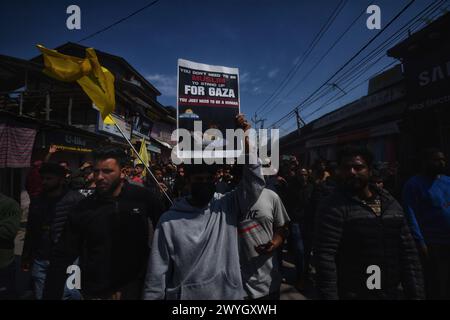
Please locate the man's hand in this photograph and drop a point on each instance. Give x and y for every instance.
(275, 243)
(423, 251)
(52, 149)
(117, 296)
(26, 266)
(85, 165)
(281, 180)
(163, 187)
(242, 123)
(267, 248)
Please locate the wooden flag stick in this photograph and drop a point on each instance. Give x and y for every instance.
(146, 167)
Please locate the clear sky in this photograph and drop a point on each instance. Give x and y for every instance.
(264, 39)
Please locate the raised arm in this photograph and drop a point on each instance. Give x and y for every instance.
(252, 183)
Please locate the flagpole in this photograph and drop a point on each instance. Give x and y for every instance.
(146, 167)
(64, 73)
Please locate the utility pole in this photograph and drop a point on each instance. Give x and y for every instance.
(300, 122)
(262, 123)
(47, 106)
(255, 120)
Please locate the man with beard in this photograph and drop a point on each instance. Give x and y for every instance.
(46, 219)
(195, 252)
(109, 231)
(427, 202)
(363, 247)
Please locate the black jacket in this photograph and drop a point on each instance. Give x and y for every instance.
(349, 238)
(38, 220)
(299, 202)
(111, 237)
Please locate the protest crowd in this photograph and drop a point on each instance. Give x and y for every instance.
(229, 229)
(328, 220)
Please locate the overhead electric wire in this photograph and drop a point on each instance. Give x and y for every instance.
(381, 52)
(320, 60)
(415, 25)
(119, 21)
(393, 39)
(293, 112)
(305, 55)
(335, 98)
(345, 65)
(339, 95)
(407, 25)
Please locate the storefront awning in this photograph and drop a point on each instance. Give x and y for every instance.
(366, 133)
(153, 148)
(164, 144)
(67, 140)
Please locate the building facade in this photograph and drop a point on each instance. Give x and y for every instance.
(44, 112)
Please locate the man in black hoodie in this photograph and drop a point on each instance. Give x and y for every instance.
(363, 246)
(110, 233)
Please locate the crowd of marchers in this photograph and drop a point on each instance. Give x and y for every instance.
(194, 232)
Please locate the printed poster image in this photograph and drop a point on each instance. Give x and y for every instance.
(209, 94)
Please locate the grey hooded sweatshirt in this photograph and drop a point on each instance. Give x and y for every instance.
(195, 253)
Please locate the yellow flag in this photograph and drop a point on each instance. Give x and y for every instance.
(63, 67)
(109, 120)
(96, 81)
(143, 153)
